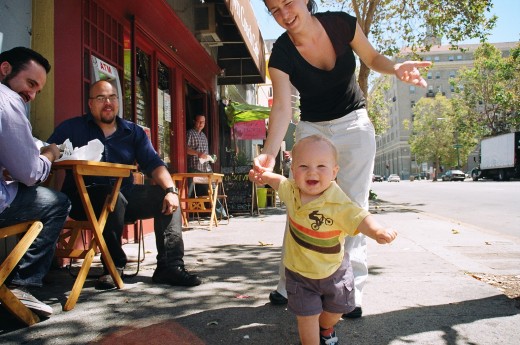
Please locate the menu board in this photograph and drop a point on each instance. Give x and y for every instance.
(241, 193)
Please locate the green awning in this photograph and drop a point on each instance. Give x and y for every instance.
(239, 112)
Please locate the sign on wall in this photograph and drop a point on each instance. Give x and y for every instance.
(251, 130)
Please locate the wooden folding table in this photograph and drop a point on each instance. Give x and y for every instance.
(96, 225)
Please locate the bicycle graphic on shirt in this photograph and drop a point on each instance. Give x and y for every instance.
(319, 219)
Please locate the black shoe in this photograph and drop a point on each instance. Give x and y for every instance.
(177, 276)
(354, 314)
(105, 282)
(277, 298)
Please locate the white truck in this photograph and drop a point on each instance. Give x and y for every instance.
(499, 158)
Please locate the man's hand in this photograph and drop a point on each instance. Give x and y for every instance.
(170, 203)
(51, 151)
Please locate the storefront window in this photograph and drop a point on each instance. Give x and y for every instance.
(128, 113)
(142, 90)
(164, 111)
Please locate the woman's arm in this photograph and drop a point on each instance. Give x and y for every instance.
(281, 111)
(279, 118)
(407, 71)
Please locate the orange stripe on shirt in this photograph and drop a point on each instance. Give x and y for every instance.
(314, 233)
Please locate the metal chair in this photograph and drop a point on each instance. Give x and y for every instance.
(7, 298)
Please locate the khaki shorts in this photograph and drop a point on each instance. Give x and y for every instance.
(334, 294)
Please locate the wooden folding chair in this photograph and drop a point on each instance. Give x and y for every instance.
(200, 204)
(222, 197)
(94, 226)
(8, 299)
(271, 197)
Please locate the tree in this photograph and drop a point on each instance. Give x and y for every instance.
(465, 129)
(441, 132)
(432, 137)
(392, 24)
(514, 63)
(379, 105)
(490, 91)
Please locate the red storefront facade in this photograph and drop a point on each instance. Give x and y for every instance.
(145, 49)
(166, 75)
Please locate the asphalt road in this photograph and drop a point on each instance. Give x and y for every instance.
(488, 205)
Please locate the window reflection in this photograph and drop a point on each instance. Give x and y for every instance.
(164, 111)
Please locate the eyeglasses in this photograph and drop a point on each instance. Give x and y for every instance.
(103, 99)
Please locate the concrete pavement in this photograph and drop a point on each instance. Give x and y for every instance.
(419, 291)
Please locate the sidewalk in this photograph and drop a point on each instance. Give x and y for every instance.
(418, 291)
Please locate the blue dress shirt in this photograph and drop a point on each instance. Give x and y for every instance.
(127, 145)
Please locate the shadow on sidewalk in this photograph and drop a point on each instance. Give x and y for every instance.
(382, 206)
(230, 308)
(261, 325)
(274, 325)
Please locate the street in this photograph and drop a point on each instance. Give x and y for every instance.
(488, 205)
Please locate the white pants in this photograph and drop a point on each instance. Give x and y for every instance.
(354, 137)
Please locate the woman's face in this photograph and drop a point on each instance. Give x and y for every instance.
(289, 14)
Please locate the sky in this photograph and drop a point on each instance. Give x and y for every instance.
(507, 28)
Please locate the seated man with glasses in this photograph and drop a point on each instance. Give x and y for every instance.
(104, 99)
(126, 143)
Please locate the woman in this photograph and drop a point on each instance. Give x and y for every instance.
(316, 55)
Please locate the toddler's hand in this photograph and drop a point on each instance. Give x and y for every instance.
(256, 177)
(386, 236)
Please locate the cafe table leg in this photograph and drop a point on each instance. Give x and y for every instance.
(80, 280)
(109, 207)
(98, 225)
(213, 197)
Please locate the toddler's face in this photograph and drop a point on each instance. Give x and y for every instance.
(314, 167)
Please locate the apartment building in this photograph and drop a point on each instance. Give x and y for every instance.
(393, 155)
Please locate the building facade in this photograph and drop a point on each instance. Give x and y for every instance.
(393, 155)
(265, 98)
(171, 60)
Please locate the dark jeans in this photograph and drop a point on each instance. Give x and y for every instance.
(136, 202)
(51, 208)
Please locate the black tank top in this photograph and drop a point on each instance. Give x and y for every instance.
(324, 95)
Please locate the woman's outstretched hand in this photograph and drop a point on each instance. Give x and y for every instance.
(408, 72)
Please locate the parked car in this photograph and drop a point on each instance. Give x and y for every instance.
(394, 178)
(454, 175)
(377, 178)
(419, 177)
(425, 175)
